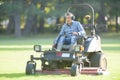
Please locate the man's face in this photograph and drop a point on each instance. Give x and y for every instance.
(68, 19)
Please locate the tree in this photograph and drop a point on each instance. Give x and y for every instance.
(114, 10)
(35, 10)
(101, 18)
(13, 9)
(30, 14)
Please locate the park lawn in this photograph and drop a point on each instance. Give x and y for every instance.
(15, 52)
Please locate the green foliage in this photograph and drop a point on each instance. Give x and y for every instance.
(15, 7)
(56, 8)
(113, 7)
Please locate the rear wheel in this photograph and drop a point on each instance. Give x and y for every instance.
(30, 69)
(74, 70)
(98, 60)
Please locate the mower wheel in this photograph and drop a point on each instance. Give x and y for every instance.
(74, 70)
(30, 69)
(99, 60)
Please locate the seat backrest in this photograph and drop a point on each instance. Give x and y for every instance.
(67, 44)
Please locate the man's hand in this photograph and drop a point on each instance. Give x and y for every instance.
(74, 33)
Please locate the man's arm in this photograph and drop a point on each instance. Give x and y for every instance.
(81, 31)
(59, 35)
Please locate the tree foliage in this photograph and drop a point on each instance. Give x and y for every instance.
(35, 13)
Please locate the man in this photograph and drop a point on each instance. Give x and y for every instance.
(69, 32)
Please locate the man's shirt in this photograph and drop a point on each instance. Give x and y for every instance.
(68, 29)
(74, 27)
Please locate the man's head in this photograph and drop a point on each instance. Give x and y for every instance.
(69, 17)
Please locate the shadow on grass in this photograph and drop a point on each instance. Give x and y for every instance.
(19, 75)
(13, 75)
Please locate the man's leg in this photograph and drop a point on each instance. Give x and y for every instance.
(60, 43)
(73, 42)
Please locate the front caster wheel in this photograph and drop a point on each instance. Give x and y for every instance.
(74, 70)
(30, 69)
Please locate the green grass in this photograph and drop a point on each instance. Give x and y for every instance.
(15, 52)
(43, 39)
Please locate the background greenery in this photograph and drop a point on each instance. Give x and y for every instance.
(24, 17)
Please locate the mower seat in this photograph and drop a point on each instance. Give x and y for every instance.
(67, 43)
(66, 46)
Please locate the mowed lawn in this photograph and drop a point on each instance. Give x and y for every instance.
(15, 52)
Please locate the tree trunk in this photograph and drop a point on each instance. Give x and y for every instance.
(35, 29)
(11, 25)
(17, 25)
(117, 28)
(57, 24)
(41, 28)
(28, 25)
(101, 18)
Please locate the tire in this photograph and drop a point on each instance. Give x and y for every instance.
(98, 60)
(30, 69)
(74, 70)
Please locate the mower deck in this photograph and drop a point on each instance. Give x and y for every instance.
(86, 70)
(57, 71)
